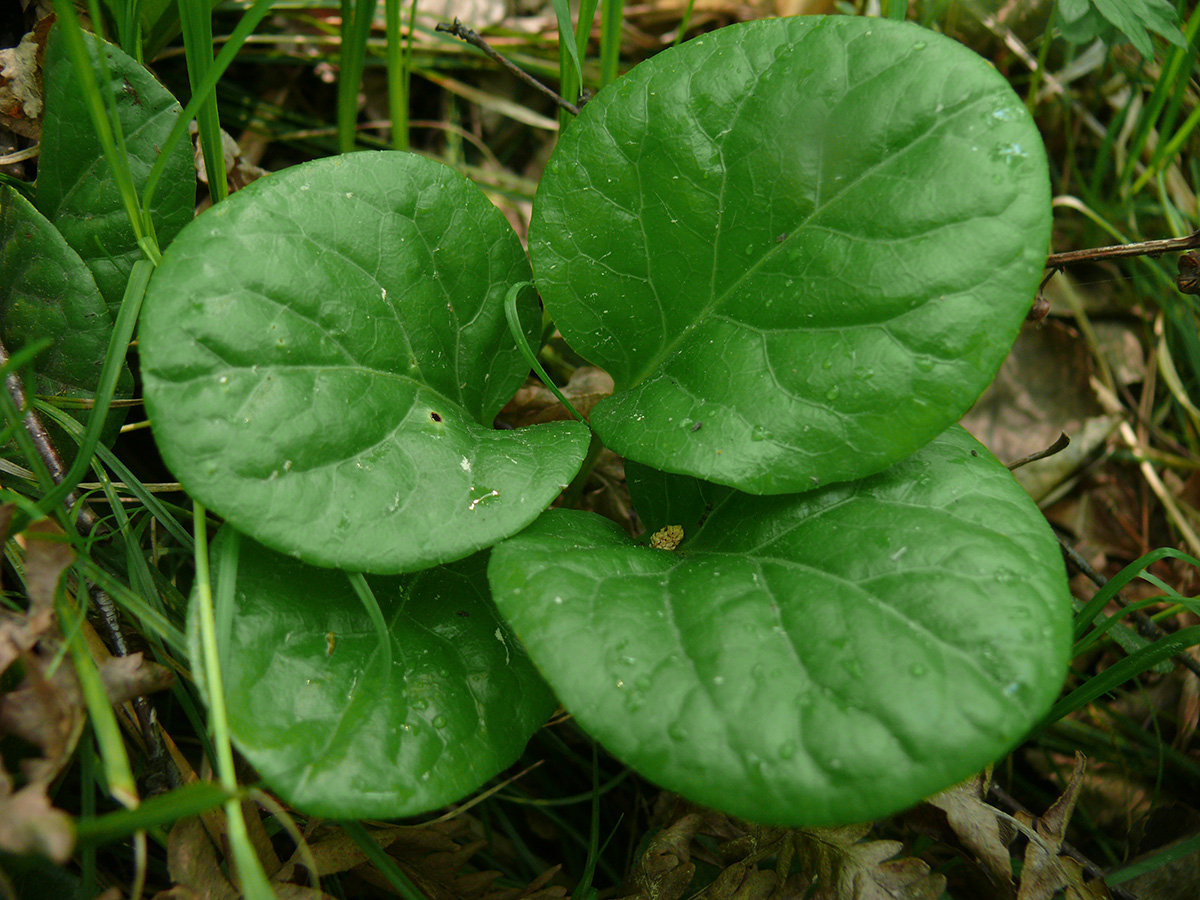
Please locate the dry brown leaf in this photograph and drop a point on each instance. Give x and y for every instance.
(239, 171)
(21, 83)
(45, 710)
(126, 677)
(193, 865)
(47, 555)
(1043, 872)
(849, 868)
(664, 870)
(29, 824)
(534, 403)
(973, 821)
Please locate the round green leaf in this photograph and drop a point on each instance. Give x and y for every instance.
(76, 190)
(810, 659)
(46, 291)
(324, 354)
(802, 247)
(311, 710)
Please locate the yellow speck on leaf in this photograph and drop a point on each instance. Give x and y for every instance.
(330, 643)
(667, 538)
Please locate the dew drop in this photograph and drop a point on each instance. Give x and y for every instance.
(439, 721)
(787, 750)
(832, 393)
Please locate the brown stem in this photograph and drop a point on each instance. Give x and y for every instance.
(462, 32)
(1141, 248)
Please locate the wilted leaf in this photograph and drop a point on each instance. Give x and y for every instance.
(665, 868)
(1042, 874)
(973, 821)
(47, 555)
(29, 824)
(126, 677)
(193, 865)
(849, 868)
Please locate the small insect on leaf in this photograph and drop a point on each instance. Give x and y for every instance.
(330, 642)
(667, 538)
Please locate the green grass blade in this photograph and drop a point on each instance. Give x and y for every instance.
(196, 20)
(382, 861)
(1119, 673)
(114, 362)
(115, 761)
(612, 18)
(204, 89)
(157, 812)
(514, 326)
(397, 73)
(1084, 618)
(253, 880)
(367, 597)
(355, 30)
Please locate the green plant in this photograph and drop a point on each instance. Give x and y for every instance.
(801, 248)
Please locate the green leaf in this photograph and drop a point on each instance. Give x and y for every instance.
(809, 659)
(323, 356)
(310, 709)
(46, 291)
(816, 237)
(75, 190)
(1135, 18)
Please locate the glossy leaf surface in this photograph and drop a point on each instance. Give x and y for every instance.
(809, 659)
(75, 189)
(802, 247)
(46, 292)
(313, 712)
(324, 354)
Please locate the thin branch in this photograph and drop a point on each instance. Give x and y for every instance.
(1141, 248)
(462, 32)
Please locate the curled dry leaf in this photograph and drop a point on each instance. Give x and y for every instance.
(1043, 874)
(962, 813)
(665, 868)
